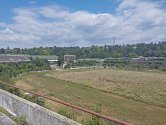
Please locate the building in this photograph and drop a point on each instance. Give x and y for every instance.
(69, 58)
(49, 58)
(13, 58)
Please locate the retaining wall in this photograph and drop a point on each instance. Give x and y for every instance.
(35, 114)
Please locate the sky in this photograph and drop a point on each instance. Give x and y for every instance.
(34, 23)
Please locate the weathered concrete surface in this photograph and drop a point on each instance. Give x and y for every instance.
(35, 114)
(5, 120)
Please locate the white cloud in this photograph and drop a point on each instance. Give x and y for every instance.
(7, 31)
(134, 21)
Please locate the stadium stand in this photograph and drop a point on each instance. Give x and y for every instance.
(13, 58)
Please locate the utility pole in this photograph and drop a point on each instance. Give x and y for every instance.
(114, 39)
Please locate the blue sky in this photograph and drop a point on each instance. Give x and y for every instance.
(29, 23)
(95, 6)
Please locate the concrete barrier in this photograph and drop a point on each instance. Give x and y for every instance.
(35, 114)
(5, 120)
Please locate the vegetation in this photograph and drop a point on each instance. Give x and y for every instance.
(134, 50)
(2, 110)
(86, 63)
(148, 87)
(35, 99)
(138, 65)
(92, 92)
(64, 111)
(122, 63)
(101, 52)
(21, 121)
(127, 95)
(9, 70)
(95, 120)
(32, 98)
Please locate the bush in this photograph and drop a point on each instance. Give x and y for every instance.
(38, 100)
(66, 113)
(94, 121)
(21, 121)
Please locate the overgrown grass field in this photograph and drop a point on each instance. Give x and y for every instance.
(148, 87)
(136, 97)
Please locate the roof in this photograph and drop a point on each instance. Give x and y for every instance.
(69, 55)
(13, 58)
(48, 57)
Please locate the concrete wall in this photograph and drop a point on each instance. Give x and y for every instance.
(5, 120)
(35, 114)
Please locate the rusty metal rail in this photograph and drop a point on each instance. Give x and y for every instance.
(72, 106)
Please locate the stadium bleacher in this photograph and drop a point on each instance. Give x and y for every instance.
(13, 58)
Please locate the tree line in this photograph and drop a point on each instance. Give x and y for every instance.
(130, 64)
(12, 69)
(94, 51)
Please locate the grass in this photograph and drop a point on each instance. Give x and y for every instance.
(147, 87)
(89, 94)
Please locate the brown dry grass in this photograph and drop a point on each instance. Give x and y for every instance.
(21, 84)
(142, 86)
(86, 96)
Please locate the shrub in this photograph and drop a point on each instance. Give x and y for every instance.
(21, 121)
(66, 113)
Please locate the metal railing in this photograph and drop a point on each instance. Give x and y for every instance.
(71, 105)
